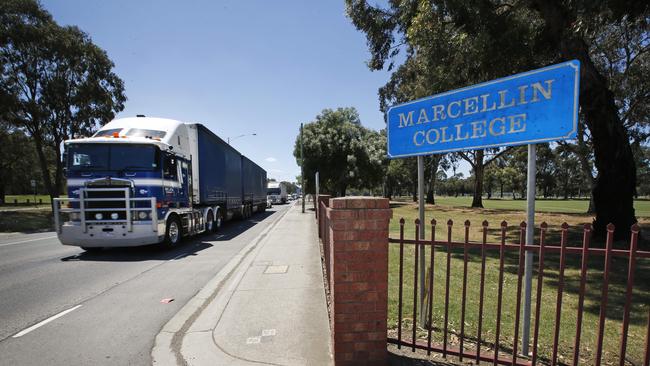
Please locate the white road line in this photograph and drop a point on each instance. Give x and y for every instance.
(27, 241)
(36, 326)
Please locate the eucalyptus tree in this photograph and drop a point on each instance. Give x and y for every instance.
(342, 151)
(449, 44)
(57, 84)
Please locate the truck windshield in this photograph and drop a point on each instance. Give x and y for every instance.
(274, 191)
(112, 157)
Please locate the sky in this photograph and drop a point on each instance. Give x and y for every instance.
(239, 67)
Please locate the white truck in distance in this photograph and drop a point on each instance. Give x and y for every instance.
(277, 192)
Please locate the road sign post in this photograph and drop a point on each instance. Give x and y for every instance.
(421, 263)
(530, 234)
(524, 109)
(33, 183)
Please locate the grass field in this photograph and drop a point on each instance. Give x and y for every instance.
(642, 207)
(511, 211)
(26, 221)
(23, 199)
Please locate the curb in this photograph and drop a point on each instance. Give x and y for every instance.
(167, 344)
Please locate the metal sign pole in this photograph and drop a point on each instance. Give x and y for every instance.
(302, 173)
(421, 263)
(530, 232)
(317, 189)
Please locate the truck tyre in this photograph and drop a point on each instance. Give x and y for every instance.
(209, 223)
(218, 221)
(172, 232)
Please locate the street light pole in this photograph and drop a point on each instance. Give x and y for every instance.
(302, 173)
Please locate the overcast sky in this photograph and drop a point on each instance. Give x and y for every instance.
(238, 67)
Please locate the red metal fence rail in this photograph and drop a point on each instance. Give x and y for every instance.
(632, 254)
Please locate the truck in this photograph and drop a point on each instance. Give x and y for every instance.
(277, 192)
(143, 180)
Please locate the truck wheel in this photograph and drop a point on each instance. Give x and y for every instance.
(218, 222)
(172, 232)
(210, 223)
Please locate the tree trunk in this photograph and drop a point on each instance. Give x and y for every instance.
(42, 159)
(477, 200)
(435, 163)
(2, 192)
(613, 191)
(58, 173)
(616, 180)
(582, 152)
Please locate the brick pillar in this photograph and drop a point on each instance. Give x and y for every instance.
(321, 198)
(359, 288)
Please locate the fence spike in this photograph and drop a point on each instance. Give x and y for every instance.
(417, 221)
(587, 227)
(401, 221)
(450, 222)
(485, 223)
(635, 228)
(565, 226)
(544, 225)
(523, 225)
(504, 223)
(467, 223)
(433, 222)
(611, 227)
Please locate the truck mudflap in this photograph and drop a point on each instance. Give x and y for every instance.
(107, 217)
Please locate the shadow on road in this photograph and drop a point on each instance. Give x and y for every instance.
(188, 247)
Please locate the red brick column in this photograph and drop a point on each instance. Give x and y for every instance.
(359, 289)
(321, 198)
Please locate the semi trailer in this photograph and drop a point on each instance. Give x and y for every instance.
(143, 180)
(277, 192)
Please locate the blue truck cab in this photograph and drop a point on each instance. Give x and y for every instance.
(145, 180)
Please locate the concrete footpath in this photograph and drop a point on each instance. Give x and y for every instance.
(266, 306)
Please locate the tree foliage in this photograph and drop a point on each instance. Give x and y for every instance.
(343, 152)
(450, 44)
(56, 84)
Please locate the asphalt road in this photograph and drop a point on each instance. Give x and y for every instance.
(104, 308)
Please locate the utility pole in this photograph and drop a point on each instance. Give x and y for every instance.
(302, 172)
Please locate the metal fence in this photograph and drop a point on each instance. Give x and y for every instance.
(518, 250)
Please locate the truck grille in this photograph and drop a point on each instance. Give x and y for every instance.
(118, 203)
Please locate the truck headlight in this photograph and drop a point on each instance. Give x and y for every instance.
(114, 216)
(142, 215)
(99, 216)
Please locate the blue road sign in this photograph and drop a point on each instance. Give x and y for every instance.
(531, 107)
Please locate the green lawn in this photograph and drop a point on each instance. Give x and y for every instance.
(26, 220)
(495, 212)
(22, 199)
(642, 207)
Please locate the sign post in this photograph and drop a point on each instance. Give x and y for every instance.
(33, 183)
(421, 263)
(302, 173)
(317, 190)
(523, 109)
(530, 234)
